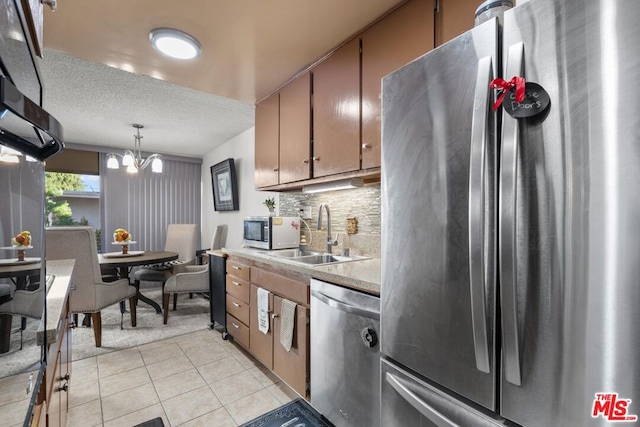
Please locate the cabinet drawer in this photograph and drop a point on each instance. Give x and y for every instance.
(238, 330)
(239, 309)
(238, 288)
(238, 270)
(290, 289)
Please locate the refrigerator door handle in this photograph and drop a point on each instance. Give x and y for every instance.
(427, 410)
(507, 228)
(477, 172)
(347, 308)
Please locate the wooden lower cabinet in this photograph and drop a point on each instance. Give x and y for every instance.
(291, 366)
(237, 301)
(261, 344)
(58, 375)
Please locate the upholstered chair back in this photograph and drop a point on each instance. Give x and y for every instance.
(219, 237)
(183, 239)
(77, 243)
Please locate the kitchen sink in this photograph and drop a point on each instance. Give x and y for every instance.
(292, 253)
(314, 258)
(323, 259)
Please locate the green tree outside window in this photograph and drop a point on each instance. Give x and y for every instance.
(58, 211)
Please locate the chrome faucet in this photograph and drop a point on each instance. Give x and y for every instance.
(330, 241)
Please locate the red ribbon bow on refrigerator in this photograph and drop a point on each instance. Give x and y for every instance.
(505, 86)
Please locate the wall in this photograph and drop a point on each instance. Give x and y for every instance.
(363, 203)
(241, 149)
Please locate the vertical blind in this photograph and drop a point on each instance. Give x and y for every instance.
(145, 203)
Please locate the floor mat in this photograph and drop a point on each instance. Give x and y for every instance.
(156, 422)
(297, 413)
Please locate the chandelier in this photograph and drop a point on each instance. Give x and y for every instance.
(133, 159)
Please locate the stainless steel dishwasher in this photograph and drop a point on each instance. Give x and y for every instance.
(345, 355)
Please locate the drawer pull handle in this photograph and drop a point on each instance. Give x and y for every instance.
(235, 326)
(235, 267)
(64, 387)
(235, 283)
(235, 304)
(273, 316)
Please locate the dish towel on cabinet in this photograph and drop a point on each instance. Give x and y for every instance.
(263, 310)
(288, 314)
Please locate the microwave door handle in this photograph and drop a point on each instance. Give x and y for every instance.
(477, 174)
(421, 406)
(507, 229)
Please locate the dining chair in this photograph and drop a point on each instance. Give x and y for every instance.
(22, 302)
(89, 293)
(195, 278)
(218, 240)
(182, 239)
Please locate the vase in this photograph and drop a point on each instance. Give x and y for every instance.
(272, 212)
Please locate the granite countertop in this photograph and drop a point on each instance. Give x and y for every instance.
(56, 297)
(362, 275)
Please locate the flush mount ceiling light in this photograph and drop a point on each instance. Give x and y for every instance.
(133, 159)
(175, 43)
(342, 184)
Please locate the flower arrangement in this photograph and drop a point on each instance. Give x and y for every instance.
(270, 203)
(121, 235)
(22, 239)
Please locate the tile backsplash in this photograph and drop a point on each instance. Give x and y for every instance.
(363, 203)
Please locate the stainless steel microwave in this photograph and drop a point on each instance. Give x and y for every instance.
(272, 232)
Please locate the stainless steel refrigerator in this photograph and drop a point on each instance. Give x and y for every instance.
(511, 247)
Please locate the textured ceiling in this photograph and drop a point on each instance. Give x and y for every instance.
(98, 104)
(97, 64)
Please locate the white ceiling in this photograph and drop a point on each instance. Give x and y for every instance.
(97, 64)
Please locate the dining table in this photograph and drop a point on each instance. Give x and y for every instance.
(123, 263)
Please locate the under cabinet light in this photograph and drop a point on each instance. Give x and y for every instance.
(343, 184)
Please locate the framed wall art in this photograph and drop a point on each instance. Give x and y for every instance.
(225, 186)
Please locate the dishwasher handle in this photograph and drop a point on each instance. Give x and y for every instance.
(343, 306)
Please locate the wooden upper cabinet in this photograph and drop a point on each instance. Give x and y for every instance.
(453, 18)
(395, 41)
(336, 112)
(267, 141)
(295, 130)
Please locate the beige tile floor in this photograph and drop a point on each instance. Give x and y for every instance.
(192, 380)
